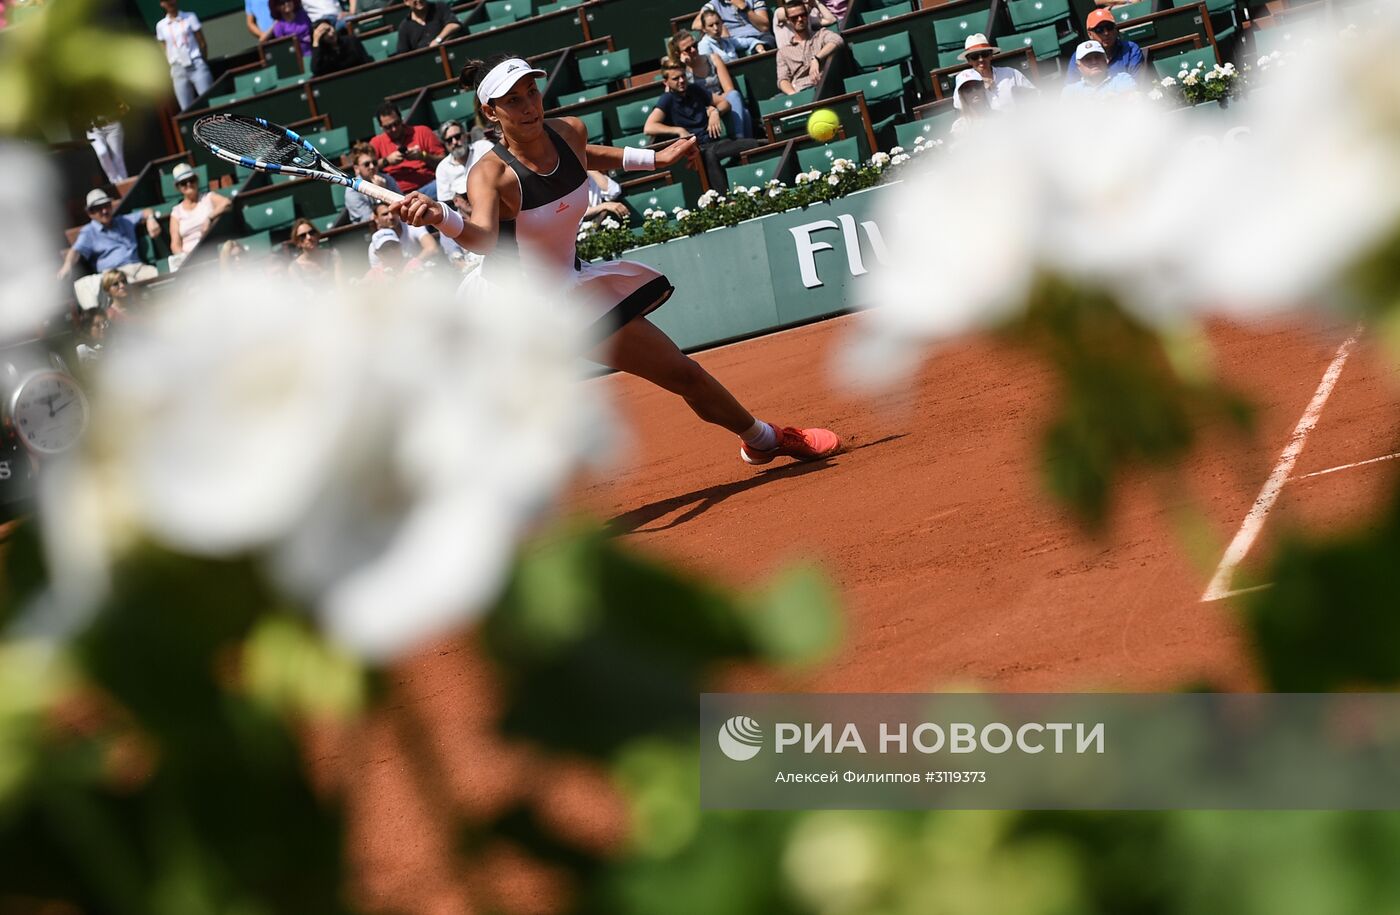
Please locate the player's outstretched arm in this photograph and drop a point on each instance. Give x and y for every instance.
(478, 232)
(607, 158)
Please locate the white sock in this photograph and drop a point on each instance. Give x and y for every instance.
(761, 436)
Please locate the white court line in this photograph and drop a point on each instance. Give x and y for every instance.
(1219, 586)
(1318, 473)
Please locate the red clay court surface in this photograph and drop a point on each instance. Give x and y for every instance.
(952, 564)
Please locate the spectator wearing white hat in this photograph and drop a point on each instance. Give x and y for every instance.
(185, 51)
(191, 217)
(107, 243)
(386, 256)
(1094, 80)
(972, 99)
(1003, 84)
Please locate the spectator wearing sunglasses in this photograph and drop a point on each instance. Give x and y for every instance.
(107, 243)
(462, 154)
(191, 217)
(1094, 80)
(1124, 56)
(1002, 84)
(310, 261)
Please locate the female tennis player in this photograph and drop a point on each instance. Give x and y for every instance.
(527, 198)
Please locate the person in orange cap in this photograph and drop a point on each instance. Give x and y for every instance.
(1124, 56)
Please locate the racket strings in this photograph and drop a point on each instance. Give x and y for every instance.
(254, 141)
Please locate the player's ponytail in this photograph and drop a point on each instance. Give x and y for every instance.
(474, 71)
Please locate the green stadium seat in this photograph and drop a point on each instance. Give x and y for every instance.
(1043, 42)
(1199, 57)
(882, 52)
(167, 182)
(1228, 9)
(662, 197)
(780, 103)
(255, 81)
(929, 128)
(163, 266)
(888, 12)
(585, 95)
(821, 157)
(162, 210)
(880, 86)
(556, 7)
(331, 143)
(265, 215)
(382, 47)
(257, 242)
(1267, 41)
(459, 107)
(217, 101)
(952, 33)
(499, 11)
(949, 58)
(324, 224)
(754, 174)
(597, 129)
(602, 69)
(338, 195)
(632, 139)
(632, 116)
(1032, 14)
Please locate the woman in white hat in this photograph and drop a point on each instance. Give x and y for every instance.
(1002, 83)
(527, 198)
(191, 217)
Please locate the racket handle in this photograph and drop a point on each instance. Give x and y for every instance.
(370, 189)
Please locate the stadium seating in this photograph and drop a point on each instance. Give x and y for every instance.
(331, 143)
(821, 157)
(1204, 58)
(754, 174)
(460, 106)
(887, 12)
(255, 81)
(603, 69)
(267, 214)
(659, 197)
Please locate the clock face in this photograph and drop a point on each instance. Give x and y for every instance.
(49, 412)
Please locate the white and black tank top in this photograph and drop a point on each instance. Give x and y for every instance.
(545, 231)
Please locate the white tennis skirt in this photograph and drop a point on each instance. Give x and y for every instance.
(613, 292)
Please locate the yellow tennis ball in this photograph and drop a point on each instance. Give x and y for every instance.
(822, 125)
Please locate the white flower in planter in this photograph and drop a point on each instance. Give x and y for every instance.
(339, 444)
(833, 180)
(611, 223)
(682, 215)
(803, 178)
(880, 160)
(775, 192)
(1155, 95)
(898, 150)
(899, 158)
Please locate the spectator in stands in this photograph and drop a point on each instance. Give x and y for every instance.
(386, 257)
(107, 243)
(91, 325)
(416, 242)
(972, 99)
(232, 256)
(1003, 84)
(310, 261)
(108, 139)
(687, 110)
(366, 165)
(115, 295)
(1094, 80)
(185, 51)
(407, 154)
(332, 51)
(818, 17)
(711, 74)
(746, 21)
(714, 43)
(605, 199)
(802, 61)
(428, 25)
(839, 8)
(1124, 56)
(368, 6)
(191, 217)
(288, 18)
(317, 10)
(452, 171)
(257, 15)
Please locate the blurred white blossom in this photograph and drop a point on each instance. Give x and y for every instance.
(379, 457)
(28, 290)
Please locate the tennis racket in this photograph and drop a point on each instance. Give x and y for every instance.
(269, 147)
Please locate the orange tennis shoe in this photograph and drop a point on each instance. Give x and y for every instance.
(802, 444)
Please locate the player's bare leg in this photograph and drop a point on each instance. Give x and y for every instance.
(640, 348)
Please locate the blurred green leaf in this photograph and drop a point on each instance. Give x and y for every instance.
(796, 620)
(1329, 621)
(298, 674)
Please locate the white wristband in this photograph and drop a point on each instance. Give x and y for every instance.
(638, 160)
(452, 222)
